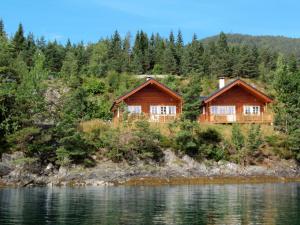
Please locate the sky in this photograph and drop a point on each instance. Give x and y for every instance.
(90, 20)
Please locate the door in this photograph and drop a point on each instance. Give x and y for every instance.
(231, 117)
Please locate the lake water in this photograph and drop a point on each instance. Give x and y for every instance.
(206, 204)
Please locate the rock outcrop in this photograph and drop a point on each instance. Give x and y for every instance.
(106, 172)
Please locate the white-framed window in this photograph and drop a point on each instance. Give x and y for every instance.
(222, 110)
(172, 110)
(134, 109)
(163, 110)
(251, 110)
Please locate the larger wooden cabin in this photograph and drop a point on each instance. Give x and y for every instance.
(152, 100)
(236, 102)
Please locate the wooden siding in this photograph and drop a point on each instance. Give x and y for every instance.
(153, 95)
(238, 97)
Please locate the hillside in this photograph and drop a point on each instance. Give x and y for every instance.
(281, 44)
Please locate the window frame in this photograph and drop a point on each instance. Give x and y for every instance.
(169, 110)
(251, 110)
(134, 107)
(222, 110)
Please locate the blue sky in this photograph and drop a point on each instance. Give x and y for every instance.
(89, 20)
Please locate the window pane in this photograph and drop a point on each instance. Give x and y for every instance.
(222, 110)
(251, 110)
(134, 109)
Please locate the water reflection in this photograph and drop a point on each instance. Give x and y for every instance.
(210, 204)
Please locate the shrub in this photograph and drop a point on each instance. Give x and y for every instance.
(237, 138)
(209, 141)
(185, 138)
(94, 85)
(254, 139)
(293, 142)
(199, 144)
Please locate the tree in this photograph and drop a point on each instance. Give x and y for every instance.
(97, 65)
(19, 39)
(115, 53)
(54, 54)
(237, 138)
(140, 53)
(223, 57)
(246, 65)
(2, 30)
(193, 58)
(254, 139)
(127, 54)
(29, 50)
(179, 52)
(191, 108)
(69, 67)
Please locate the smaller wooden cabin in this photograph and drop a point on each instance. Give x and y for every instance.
(152, 100)
(236, 102)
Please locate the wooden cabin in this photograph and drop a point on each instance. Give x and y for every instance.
(236, 102)
(152, 100)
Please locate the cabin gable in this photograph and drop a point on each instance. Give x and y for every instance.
(237, 96)
(236, 102)
(152, 95)
(152, 100)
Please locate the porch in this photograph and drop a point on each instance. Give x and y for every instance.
(263, 117)
(153, 118)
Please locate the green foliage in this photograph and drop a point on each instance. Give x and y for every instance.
(237, 138)
(69, 67)
(191, 140)
(19, 39)
(191, 108)
(142, 143)
(254, 139)
(73, 147)
(94, 85)
(45, 123)
(287, 86)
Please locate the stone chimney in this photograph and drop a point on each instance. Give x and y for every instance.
(221, 82)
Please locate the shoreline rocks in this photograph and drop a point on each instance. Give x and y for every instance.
(174, 170)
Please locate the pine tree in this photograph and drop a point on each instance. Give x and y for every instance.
(19, 39)
(69, 67)
(54, 54)
(170, 63)
(29, 50)
(247, 65)
(223, 57)
(237, 138)
(115, 53)
(179, 52)
(254, 139)
(97, 65)
(191, 108)
(2, 30)
(127, 53)
(193, 58)
(141, 53)
(292, 63)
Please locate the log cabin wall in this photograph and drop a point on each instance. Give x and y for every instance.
(239, 97)
(152, 95)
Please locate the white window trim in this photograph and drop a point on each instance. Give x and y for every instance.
(134, 107)
(251, 107)
(225, 108)
(158, 109)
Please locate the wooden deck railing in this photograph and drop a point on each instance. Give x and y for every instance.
(153, 118)
(238, 118)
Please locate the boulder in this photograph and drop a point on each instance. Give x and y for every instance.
(4, 169)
